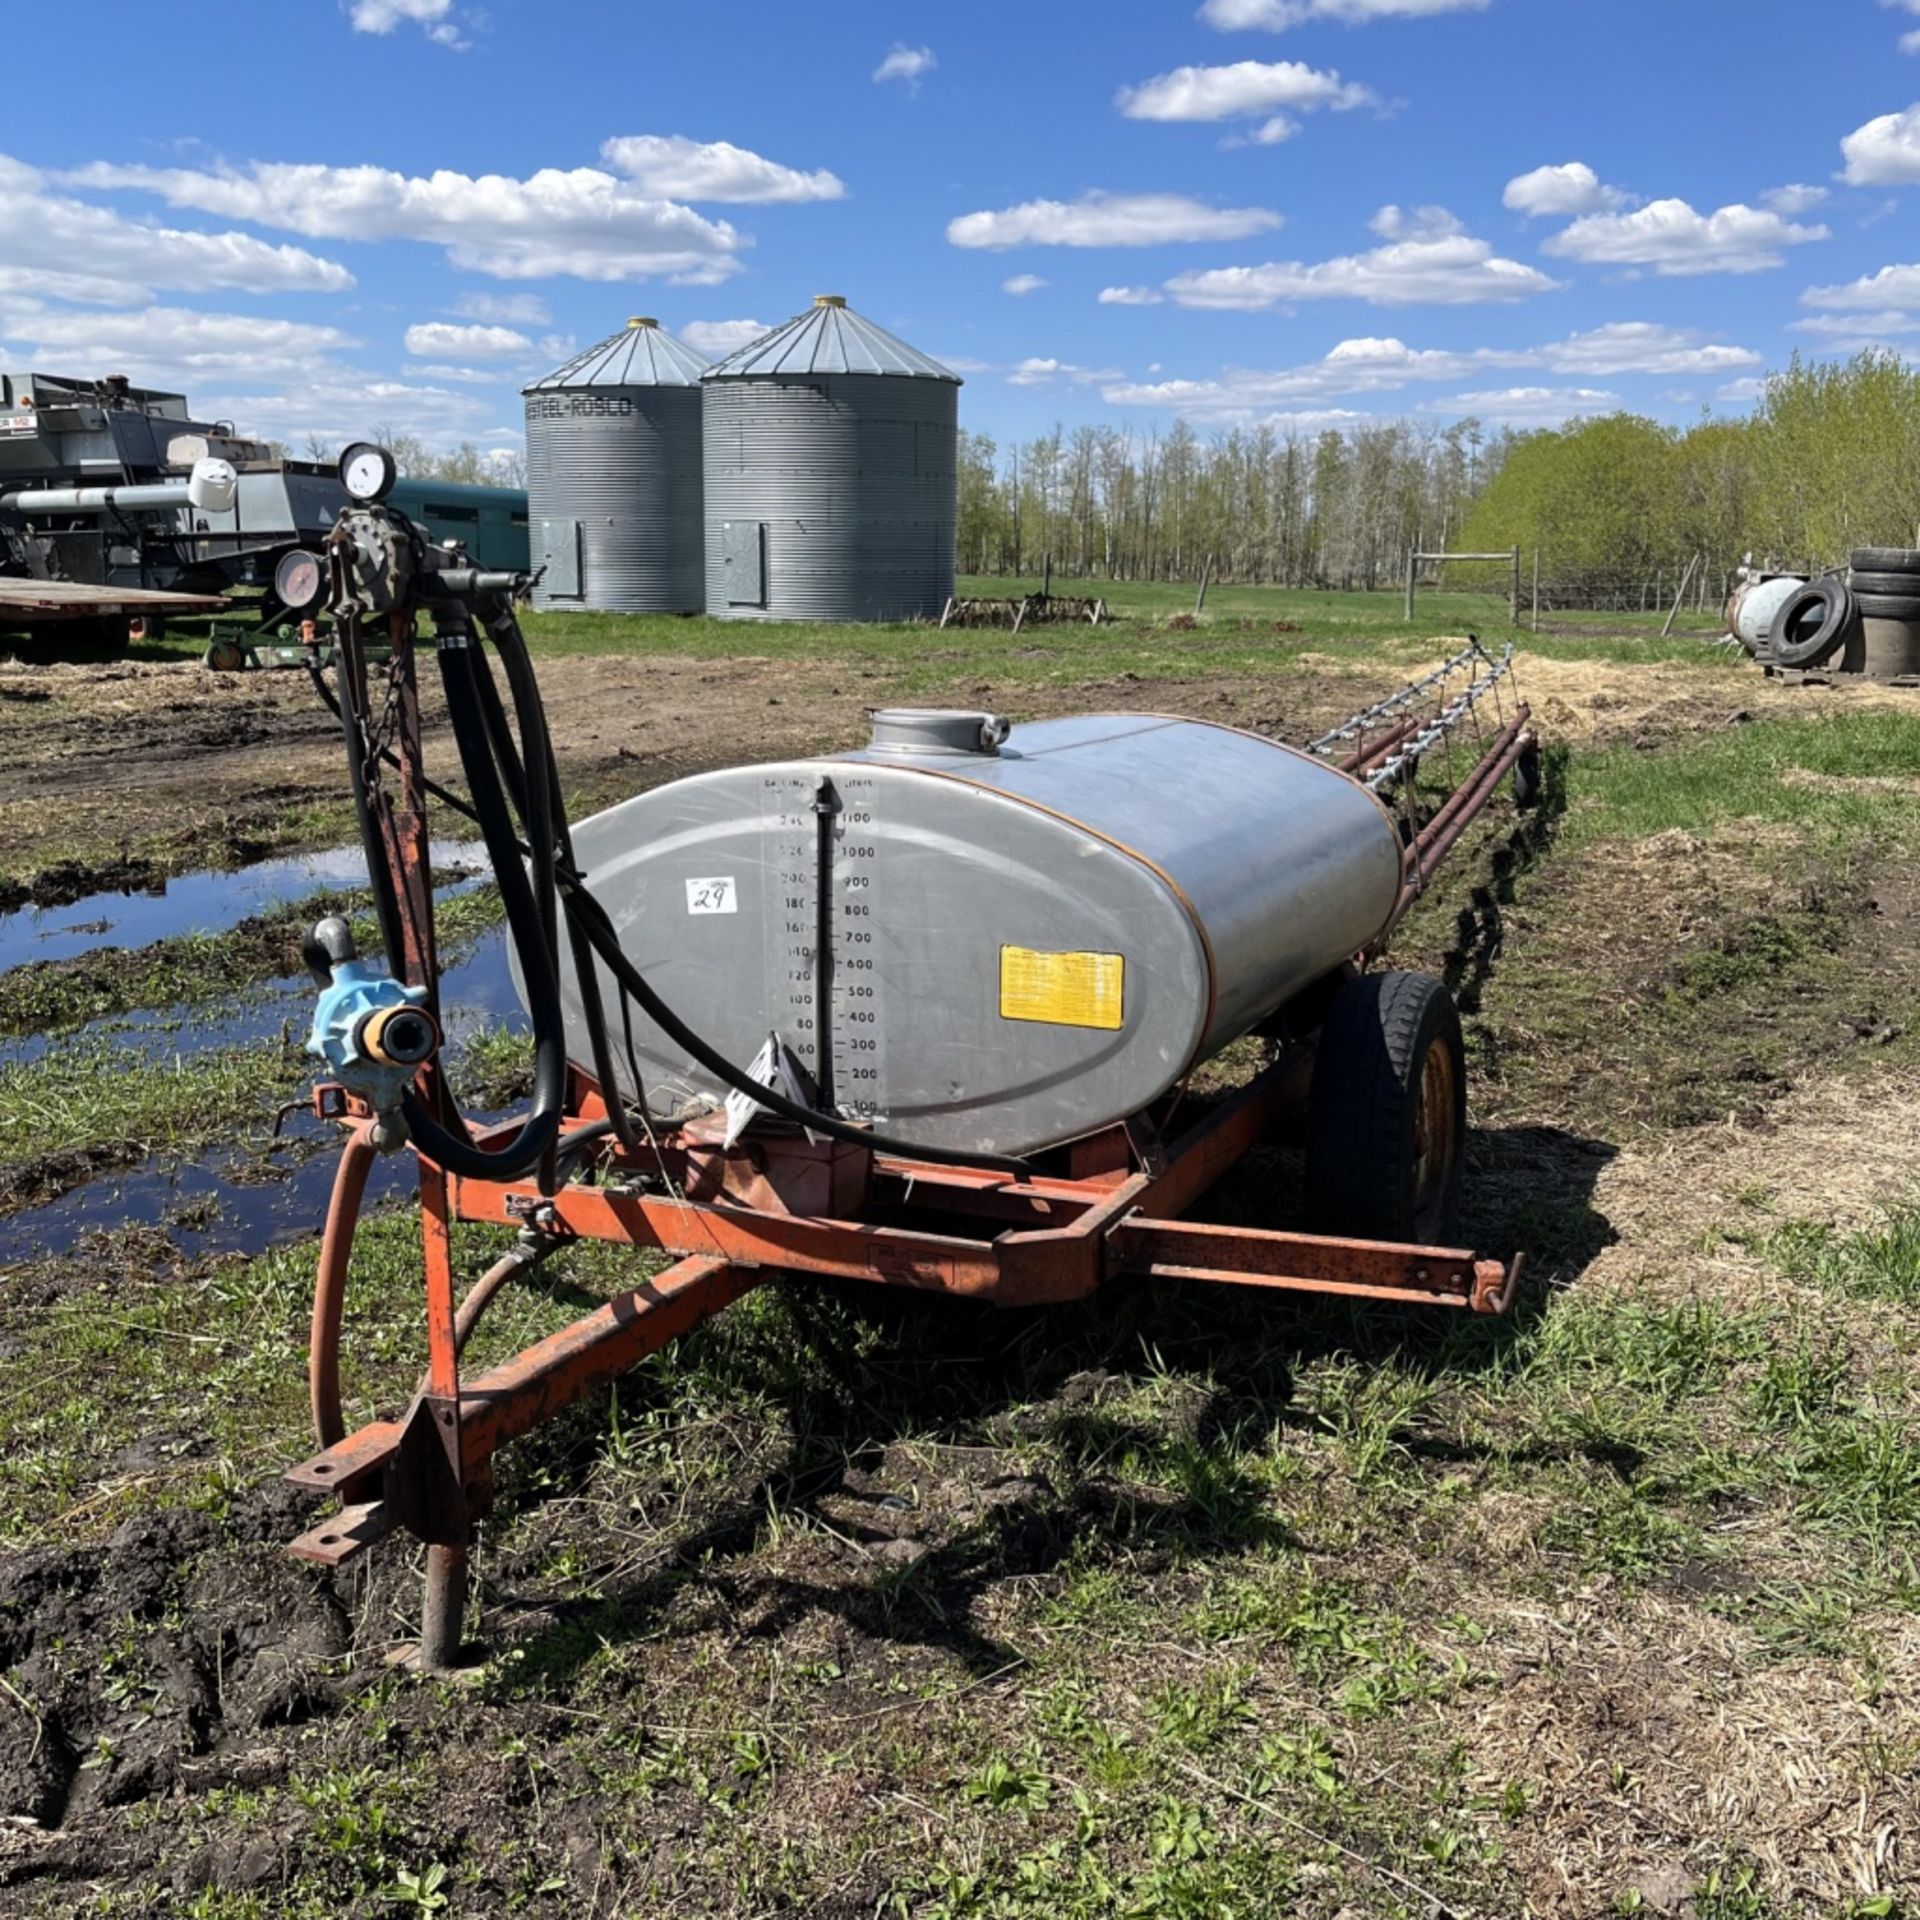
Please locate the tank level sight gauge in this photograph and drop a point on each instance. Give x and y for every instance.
(367, 472)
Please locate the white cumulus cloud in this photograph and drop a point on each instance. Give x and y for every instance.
(676, 168)
(1021, 284)
(1570, 188)
(1794, 200)
(1038, 372)
(1130, 297)
(1891, 287)
(718, 338)
(1415, 223)
(1542, 406)
(1247, 89)
(581, 222)
(72, 250)
(435, 18)
(1429, 269)
(1371, 365)
(1277, 16)
(1866, 312)
(504, 309)
(905, 63)
(172, 345)
(430, 337)
(1109, 220)
(1885, 152)
(1673, 240)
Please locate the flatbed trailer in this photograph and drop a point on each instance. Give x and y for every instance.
(35, 603)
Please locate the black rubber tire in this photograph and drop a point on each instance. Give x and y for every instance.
(1526, 779)
(1902, 586)
(1887, 559)
(1811, 625)
(1887, 606)
(1389, 1052)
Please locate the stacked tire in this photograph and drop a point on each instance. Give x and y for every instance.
(1885, 582)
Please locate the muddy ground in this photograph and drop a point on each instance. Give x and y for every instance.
(141, 768)
(1168, 1605)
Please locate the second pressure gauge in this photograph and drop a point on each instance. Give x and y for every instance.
(367, 472)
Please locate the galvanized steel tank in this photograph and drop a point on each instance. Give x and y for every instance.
(1029, 941)
(831, 474)
(613, 476)
(1754, 602)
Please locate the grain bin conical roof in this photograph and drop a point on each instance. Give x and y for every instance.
(829, 338)
(641, 354)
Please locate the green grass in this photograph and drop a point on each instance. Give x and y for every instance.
(1873, 1263)
(95, 1097)
(1243, 629)
(1739, 774)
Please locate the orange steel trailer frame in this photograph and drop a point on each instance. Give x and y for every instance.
(780, 1201)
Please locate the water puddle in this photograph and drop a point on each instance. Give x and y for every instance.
(475, 994)
(207, 902)
(231, 1199)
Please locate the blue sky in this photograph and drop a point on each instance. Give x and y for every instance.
(324, 217)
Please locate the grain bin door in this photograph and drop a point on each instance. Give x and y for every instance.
(742, 567)
(557, 548)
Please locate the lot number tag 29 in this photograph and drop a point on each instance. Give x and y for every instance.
(718, 895)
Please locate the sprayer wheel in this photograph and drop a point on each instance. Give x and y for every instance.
(1387, 1114)
(1527, 779)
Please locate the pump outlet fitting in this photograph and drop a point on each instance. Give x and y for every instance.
(371, 1032)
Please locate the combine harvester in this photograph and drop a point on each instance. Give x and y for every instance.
(118, 510)
(924, 1015)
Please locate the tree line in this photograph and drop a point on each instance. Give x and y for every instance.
(1268, 504)
(1829, 459)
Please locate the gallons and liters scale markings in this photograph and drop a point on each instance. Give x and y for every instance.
(820, 857)
(858, 1031)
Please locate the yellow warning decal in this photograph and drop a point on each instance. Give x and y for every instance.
(1063, 989)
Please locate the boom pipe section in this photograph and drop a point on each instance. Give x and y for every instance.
(1467, 802)
(1440, 726)
(1368, 717)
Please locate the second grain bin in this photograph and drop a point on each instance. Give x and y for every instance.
(613, 476)
(831, 453)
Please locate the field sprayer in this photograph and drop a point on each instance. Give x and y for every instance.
(922, 1015)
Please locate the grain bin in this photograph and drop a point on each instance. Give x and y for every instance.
(831, 473)
(613, 476)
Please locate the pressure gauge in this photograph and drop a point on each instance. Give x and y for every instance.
(299, 580)
(367, 472)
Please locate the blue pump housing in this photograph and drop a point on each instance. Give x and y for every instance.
(359, 988)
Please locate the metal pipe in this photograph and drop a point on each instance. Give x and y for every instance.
(51, 500)
(1436, 839)
(330, 1284)
(1364, 758)
(443, 1609)
(211, 486)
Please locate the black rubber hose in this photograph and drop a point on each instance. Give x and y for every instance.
(549, 827)
(581, 1136)
(541, 1129)
(531, 801)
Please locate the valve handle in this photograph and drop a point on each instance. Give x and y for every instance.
(328, 943)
